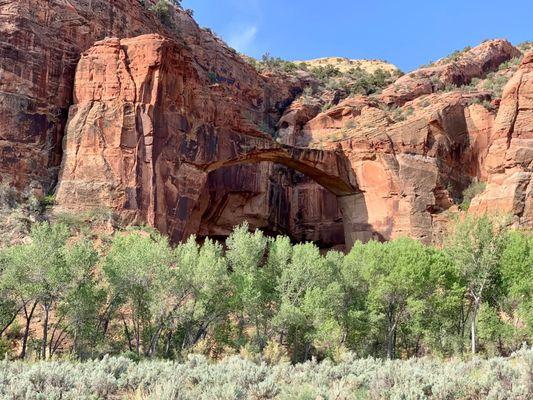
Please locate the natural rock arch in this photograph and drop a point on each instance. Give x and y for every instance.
(145, 132)
(329, 168)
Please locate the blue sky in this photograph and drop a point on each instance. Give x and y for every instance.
(407, 33)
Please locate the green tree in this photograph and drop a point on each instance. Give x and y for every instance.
(9, 306)
(19, 287)
(161, 9)
(400, 284)
(137, 269)
(83, 299)
(207, 303)
(517, 282)
(309, 297)
(253, 281)
(475, 246)
(36, 274)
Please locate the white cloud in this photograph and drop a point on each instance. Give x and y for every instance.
(243, 39)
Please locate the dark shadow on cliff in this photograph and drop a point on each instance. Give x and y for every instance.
(281, 201)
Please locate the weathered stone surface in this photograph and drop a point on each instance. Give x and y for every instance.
(474, 63)
(174, 130)
(411, 165)
(509, 161)
(40, 43)
(147, 130)
(411, 169)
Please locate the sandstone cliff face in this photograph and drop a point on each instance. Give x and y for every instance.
(150, 129)
(509, 161)
(410, 172)
(168, 126)
(40, 43)
(40, 48)
(413, 162)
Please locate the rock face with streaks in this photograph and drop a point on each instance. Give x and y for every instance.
(509, 162)
(413, 162)
(148, 133)
(164, 124)
(40, 44)
(410, 170)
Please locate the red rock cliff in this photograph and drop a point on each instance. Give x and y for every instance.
(40, 43)
(172, 128)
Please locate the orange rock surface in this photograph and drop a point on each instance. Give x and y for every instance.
(166, 125)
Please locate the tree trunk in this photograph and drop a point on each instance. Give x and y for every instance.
(28, 318)
(473, 327)
(169, 343)
(137, 338)
(58, 342)
(154, 341)
(391, 343)
(307, 350)
(53, 336)
(127, 332)
(75, 343)
(391, 334)
(46, 309)
(6, 327)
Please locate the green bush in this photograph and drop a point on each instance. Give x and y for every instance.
(161, 9)
(495, 83)
(470, 192)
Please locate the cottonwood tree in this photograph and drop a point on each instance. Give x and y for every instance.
(136, 269)
(36, 274)
(309, 297)
(252, 280)
(509, 321)
(82, 301)
(475, 246)
(9, 306)
(49, 272)
(18, 286)
(399, 283)
(205, 273)
(355, 288)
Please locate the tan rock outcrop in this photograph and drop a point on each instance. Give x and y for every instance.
(411, 164)
(473, 63)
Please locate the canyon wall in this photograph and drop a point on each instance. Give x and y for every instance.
(148, 128)
(108, 107)
(509, 160)
(40, 44)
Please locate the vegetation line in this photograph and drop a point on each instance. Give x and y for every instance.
(66, 293)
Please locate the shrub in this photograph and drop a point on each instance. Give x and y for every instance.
(238, 378)
(455, 56)
(495, 84)
(524, 47)
(276, 64)
(161, 9)
(470, 192)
